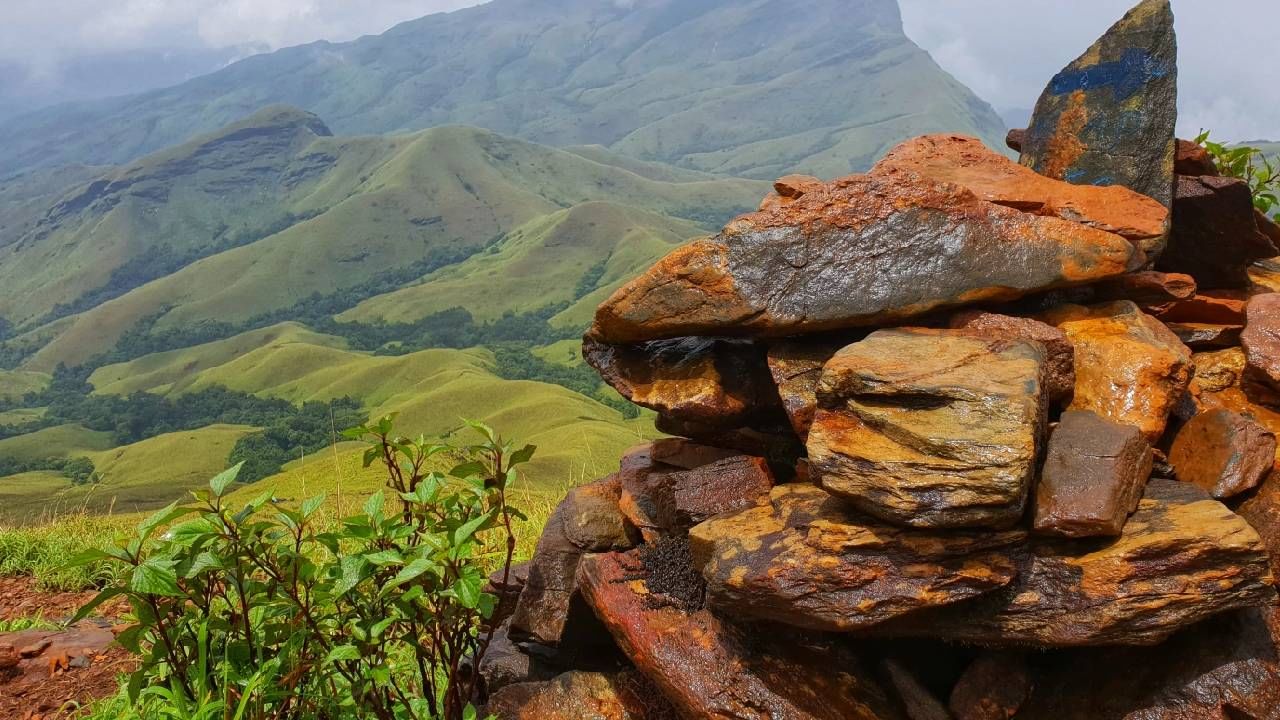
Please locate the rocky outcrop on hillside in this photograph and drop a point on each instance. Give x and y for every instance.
(961, 439)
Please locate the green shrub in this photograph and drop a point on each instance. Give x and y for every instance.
(255, 612)
(1251, 165)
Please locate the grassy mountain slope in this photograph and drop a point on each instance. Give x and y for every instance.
(431, 391)
(751, 87)
(16, 383)
(137, 477)
(538, 264)
(372, 206)
(62, 441)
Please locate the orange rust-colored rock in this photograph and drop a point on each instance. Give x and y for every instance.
(685, 498)
(1218, 370)
(1129, 367)
(1220, 307)
(967, 162)
(722, 382)
(863, 250)
(1183, 557)
(806, 559)
(1148, 288)
(788, 189)
(931, 428)
(1202, 336)
(1215, 234)
(711, 670)
(1060, 372)
(580, 696)
(1226, 453)
(1193, 159)
(796, 366)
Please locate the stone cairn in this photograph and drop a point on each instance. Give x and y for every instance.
(957, 438)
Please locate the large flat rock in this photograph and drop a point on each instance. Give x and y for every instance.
(1183, 557)
(862, 250)
(710, 669)
(967, 162)
(931, 428)
(806, 559)
(1108, 118)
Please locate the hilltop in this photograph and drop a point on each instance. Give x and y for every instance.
(821, 87)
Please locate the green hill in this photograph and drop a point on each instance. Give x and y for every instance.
(355, 216)
(754, 87)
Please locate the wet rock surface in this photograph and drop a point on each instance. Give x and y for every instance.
(863, 250)
(1130, 368)
(1183, 557)
(1093, 477)
(706, 380)
(1108, 118)
(931, 428)
(807, 559)
(1223, 452)
(684, 499)
(709, 668)
(796, 367)
(993, 177)
(582, 696)
(1261, 340)
(1060, 373)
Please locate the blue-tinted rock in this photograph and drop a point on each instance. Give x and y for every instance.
(1108, 118)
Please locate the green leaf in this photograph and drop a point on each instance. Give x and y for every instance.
(93, 604)
(468, 529)
(311, 505)
(523, 455)
(343, 652)
(219, 484)
(411, 572)
(469, 588)
(156, 577)
(474, 468)
(166, 515)
(384, 558)
(373, 506)
(351, 570)
(204, 561)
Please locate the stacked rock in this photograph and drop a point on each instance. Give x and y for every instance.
(927, 419)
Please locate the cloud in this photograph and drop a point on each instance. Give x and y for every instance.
(1006, 51)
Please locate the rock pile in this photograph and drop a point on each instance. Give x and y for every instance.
(931, 419)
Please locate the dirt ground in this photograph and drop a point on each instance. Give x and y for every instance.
(47, 674)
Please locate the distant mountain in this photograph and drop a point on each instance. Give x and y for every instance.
(259, 216)
(99, 75)
(746, 87)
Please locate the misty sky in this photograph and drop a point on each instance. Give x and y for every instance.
(1004, 49)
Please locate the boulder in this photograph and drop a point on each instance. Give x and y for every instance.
(1060, 372)
(719, 382)
(796, 366)
(773, 440)
(1094, 473)
(589, 519)
(1216, 371)
(1201, 336)
(1226, 453)
(1108, 118)
(581, 696)
(931, 428)
(592, 519)
(686, 454)
(1214, 307)
(789, 189)
(863, 250)
(1015, 138)
(1193, 159)
(1130, 368)
(1148, 288)
(1261, 341)
(995, 178)
(710, 669)
(684, 499)
(993, 687)
(505, 663)
(1183, 557)
(1264, 275)
(1215, 234)
(1223, 669)
(806, 559)
(506, 586)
